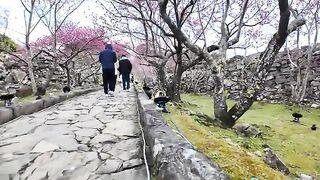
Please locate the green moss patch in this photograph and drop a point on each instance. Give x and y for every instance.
(294, 143)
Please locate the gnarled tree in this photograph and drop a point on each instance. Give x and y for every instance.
(221, 112)
(151, 40)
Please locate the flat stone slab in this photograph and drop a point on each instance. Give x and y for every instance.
(93, 124)
(134, 174)
(104, 138)
(86, 132)
(122, 128)
(87, 137)
(110, 166)
(44, 146)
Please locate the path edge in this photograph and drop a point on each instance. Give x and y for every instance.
(169, 155)
(8, 114)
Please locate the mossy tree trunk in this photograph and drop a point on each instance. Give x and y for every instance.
(173, 91)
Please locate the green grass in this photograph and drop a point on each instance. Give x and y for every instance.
(296, 144)
(238, 163)
(30, 98)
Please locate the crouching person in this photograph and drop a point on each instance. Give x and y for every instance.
(160, 99)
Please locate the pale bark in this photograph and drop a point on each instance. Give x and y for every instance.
(299, 89)
(266, 60)
(27, 42)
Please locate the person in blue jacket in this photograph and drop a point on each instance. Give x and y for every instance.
(108, 58)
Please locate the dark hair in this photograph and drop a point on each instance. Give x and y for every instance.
(123, 55)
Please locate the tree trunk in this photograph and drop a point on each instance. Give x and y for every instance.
(29, 53)
(31, 74)
(174, 92)
(78, 79)
(161, 76)
(68, 76)
(266, 60)
(304, 82)
(219, 99)
(295, 71)
(219, 102)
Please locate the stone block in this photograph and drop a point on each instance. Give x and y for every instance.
(77, 92)
(24, 91)
(72, 94)
(88, 91)
(28, 108)
(274, 162)
(64, 96)
(280, 79)
(276, 65)
(6, 114)
(50, 101)
(306, 177)
(315, 83)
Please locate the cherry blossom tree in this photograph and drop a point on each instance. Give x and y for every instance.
(53, 13)
(75, 43)
(54, 19)
(152, 41)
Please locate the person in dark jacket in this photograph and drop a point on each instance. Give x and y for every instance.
(125, 68)
(107, 58)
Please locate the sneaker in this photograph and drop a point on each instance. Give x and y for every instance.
(111, 93)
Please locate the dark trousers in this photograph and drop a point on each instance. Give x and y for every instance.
(109, 80)
(126, 81)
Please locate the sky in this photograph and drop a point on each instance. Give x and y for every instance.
(16, 26)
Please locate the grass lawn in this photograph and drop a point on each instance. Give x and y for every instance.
(296, 144)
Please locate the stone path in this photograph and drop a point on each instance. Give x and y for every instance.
(88, 137)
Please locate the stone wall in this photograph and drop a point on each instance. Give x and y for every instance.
(169, 155)
(10, 113)
(278, 83)
(14, 74)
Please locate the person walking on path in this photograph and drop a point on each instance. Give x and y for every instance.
(108, 58)
(125, 68)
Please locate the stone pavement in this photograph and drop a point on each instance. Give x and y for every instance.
(87, 137)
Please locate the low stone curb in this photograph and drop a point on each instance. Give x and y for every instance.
(169, 155)
(9, 113)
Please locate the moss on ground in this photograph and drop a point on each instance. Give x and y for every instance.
(296, 144)
(31, 98)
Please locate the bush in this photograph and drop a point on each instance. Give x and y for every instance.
(7, 43)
